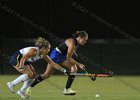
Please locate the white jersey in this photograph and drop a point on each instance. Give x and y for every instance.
(32, 59)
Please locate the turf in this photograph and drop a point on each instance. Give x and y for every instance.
(113, 88)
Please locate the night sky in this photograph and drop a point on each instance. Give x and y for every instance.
(62, 19)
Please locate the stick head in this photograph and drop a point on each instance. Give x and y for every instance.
(93, 78)
(111, 73)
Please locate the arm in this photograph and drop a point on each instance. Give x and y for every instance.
(31, 53)
(71, 45)
(54, 65)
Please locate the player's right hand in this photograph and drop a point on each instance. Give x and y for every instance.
(82, 66)
(21, 69)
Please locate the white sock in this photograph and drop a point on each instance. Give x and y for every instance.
(26, 85)
(20, 79)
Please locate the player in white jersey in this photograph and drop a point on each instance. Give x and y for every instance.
(21, 62)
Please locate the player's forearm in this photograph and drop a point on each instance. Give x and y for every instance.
(22, 61)
(53, 64)
(58, 67)
(74, 62)
(71, 60)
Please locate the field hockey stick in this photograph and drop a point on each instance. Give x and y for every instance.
(107, 73)
(93, 78)
(98, 74)
(90, 75)
(99, 68)
(93, 75)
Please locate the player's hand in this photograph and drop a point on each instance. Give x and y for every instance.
(82, 66)
(21, 69)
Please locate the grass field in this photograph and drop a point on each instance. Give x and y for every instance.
(113, 88)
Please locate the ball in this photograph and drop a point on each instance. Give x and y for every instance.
(97, 95)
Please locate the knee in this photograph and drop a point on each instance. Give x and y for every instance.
(74, 69)
(32, 75)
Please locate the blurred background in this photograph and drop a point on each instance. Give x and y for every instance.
(22, 21)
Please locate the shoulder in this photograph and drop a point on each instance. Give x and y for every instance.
(70, 40)
(33, 51)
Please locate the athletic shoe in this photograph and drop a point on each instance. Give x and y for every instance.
(22, 95)
(28, 91)
(69, 91)
(10, 86)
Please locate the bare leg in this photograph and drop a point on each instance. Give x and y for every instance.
(49, 71)
(73, 68)
(28, 73)
(29, 81)
(40, 78)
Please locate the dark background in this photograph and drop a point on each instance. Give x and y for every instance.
(62, 19)
(106, 46)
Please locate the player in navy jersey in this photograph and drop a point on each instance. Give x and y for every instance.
(62, 55)
(21, 62)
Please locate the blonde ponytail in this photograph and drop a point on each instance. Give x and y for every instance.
(41, 42)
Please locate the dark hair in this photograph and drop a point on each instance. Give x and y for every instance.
(41, 42)
(80, 33)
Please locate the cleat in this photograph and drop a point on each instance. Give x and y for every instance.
(28, 91)
(69, 91)
(22, 95)
(10, 86)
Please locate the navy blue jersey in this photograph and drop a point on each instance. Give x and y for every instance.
(59, 54)
(64, 48)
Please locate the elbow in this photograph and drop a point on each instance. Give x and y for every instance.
(69, 59)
